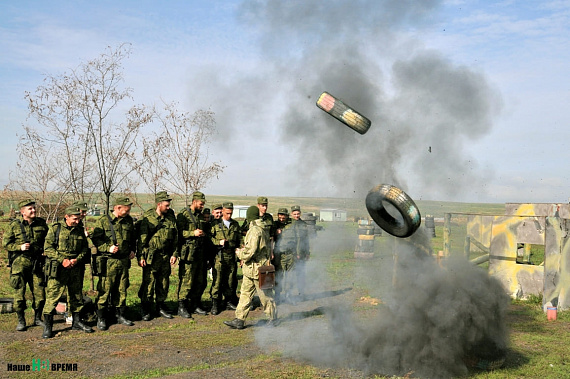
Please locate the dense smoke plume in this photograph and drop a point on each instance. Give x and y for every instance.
(431, 317)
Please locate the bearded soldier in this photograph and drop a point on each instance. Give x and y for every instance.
(24, 240)
(282, 222)
(157, 242)
(192, 252)
(226, 238)
(115, 239)
(253, 255)
(65, 248)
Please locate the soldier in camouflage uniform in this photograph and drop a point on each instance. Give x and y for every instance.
(157, 243)
(65, 247)
(24, 240)
(115, 239)
(193, 233)
(255, 254)
(226, 237)
(292, 246)
(281, 223)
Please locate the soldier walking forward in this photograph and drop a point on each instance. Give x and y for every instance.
(24, 240)
(115, 239)
(157, 242)
(254, 254)
(65, 248)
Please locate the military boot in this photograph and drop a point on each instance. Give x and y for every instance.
(101, 322)
(215, 307)
(48, 325)
(236, 323)
(121, 319)
(21, 327)
(145, 311)
(197, 309)
(230, 306)
(182, 311)
(162, 311)
(78, 325)
(38, 314)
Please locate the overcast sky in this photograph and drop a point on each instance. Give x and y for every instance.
(468, 99)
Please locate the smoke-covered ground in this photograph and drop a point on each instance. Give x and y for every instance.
(431, 317)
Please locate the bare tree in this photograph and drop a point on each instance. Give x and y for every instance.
(153, 168)
(187, 136)
(81, 115)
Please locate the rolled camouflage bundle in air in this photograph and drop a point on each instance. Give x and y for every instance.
(343, 113)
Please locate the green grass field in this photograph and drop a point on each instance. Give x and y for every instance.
(207, 348)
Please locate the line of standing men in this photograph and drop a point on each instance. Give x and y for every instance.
(197, 240)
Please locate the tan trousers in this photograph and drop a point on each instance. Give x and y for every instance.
(248, 288)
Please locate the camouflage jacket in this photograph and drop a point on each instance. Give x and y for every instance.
(70, 244)
(232, 235)
(256, 251)
(294, 239)
(157, 234)
(35, 234)
(187, 223)
(268, 225)
(124, 229)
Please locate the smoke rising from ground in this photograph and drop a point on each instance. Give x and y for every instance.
(431, 318)
(424, 108)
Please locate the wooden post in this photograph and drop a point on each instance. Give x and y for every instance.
(447, 234)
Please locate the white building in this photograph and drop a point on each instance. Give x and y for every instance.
(333, 215)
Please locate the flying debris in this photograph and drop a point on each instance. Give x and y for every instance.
(343, 113)
(393, 210)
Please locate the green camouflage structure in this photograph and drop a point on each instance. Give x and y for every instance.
(509, 243)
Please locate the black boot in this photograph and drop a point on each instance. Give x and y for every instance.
(215, 307)
(145, 311)
(78, 325)
(101, 323)
(48, 325)
(197, 309)
(182, 309)
(236, 323)
(162, 310)
(230, 306)
(38, 314)
(121, 319)
(21, 327)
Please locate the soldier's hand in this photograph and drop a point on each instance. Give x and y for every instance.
(113, 249)
(72, 262)
(132, 255)
(25, 246)
(142, 263)
(172, 261)
(198, 233)
(66, 263)
(222, 242)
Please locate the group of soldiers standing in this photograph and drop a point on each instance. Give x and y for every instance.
(50, 260)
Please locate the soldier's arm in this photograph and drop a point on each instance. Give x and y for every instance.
(185, 227)
(50, 245)
(99, 237)
(251, 245)
(9, 240)
(84, 247)
(215, 236)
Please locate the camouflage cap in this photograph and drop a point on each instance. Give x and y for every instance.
(262, 200)
(198, 196)
(122, 200)
(206, 211)
(295, 208)
(162, 196)
(252, 213)
(26, 202)
(283, 211)
(81, 205)
(73, 210)
(228, 205)
(217, 206)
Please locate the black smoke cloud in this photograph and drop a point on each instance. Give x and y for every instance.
(424, 109)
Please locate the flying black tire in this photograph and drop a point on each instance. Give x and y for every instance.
(393, 210)
(343, 113)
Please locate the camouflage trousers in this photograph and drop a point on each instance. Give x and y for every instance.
(155, 279)
(70, 279)
(248, 288)
(190, 277)
(112, 288)
(223, 272)
(25, 267)
(286, 276)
